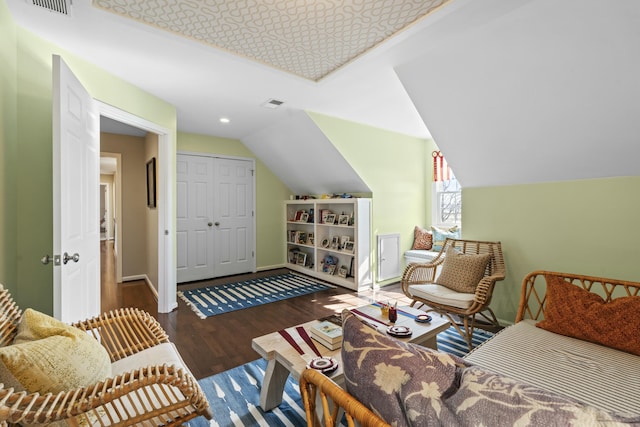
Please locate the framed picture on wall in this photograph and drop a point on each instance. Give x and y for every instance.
(151, 183)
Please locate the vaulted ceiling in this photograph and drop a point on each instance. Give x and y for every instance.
(513, 91)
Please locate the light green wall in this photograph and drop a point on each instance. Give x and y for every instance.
(32, 162)
(587, 227)
(396, 168)
(270, 196)
(8, 149)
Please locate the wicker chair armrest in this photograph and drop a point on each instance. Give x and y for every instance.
(484, 290)
(10, 315)
(314, 384)
(125, 331)
(418, 273)
(122, 400)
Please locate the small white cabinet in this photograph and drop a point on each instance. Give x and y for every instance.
(330, 239)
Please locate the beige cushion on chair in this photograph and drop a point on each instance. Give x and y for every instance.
(442, 295)
(165, 353)
(462, 272)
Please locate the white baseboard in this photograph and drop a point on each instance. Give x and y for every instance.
(272, 267)
(146, 280)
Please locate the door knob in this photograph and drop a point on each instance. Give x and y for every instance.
(209, 223)
(217, 223)
(66, 257)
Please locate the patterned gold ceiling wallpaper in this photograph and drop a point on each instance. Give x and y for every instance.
(308, 38)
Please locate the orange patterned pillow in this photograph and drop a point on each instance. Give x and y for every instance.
(422, 238)
(578, 313)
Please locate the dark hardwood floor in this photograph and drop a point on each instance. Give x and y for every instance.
(221, 342)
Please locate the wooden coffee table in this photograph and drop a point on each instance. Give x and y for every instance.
(282, 359)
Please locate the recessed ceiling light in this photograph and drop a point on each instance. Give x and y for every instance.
(224, 120)
(272, 103)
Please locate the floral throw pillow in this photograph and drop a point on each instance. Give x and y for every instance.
(403, 383)
(422, 238)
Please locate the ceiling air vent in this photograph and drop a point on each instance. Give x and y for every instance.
(272, 103)
(62, 7)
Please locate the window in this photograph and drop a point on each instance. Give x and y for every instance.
(447, 193)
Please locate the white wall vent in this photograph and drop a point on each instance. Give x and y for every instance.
(389, 264)
(62, 7)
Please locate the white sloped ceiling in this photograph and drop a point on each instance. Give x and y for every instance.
(300, 154)
(541, 91)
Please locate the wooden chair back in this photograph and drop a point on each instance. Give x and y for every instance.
(319, 390)
(496, 265)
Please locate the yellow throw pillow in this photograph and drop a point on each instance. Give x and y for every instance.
(51, 356)
(462, 272)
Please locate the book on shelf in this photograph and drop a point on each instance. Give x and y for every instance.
(327, 331)
(329, 345)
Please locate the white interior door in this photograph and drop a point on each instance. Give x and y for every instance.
(233, 216)
(194, 232)
(76, 211)
(215, 217)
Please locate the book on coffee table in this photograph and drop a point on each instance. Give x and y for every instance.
(330, 345)
(327, 331)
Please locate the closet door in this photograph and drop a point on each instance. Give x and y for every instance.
(215, 217)
(194, 234)
(233, 216)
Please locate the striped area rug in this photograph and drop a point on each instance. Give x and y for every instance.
(218, 299)
(234, 395)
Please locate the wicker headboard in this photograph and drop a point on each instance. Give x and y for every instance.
(532, 297)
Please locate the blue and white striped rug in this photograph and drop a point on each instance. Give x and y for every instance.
(218, 299)
(234, 395)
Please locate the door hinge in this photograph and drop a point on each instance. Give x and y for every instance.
(252, 172)
(253, 254)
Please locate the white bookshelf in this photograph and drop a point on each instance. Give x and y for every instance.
(329, 240)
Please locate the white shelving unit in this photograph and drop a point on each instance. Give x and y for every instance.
(314, 244)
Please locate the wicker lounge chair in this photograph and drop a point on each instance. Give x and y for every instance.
(158, 394)
(463, 305)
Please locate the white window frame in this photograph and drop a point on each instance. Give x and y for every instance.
(438, 192)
